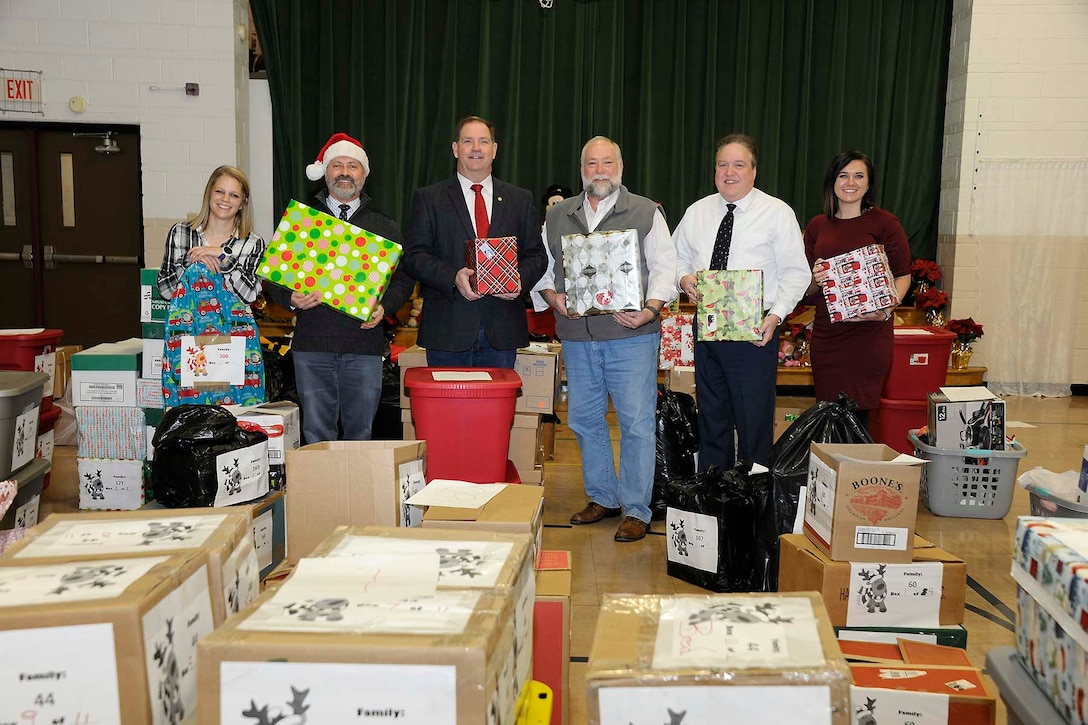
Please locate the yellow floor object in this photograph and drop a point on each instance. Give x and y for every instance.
(535, 705)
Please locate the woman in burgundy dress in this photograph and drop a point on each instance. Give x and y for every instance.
(853, 356)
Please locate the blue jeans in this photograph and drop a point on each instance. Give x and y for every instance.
(735, 383)
(337, 388)
(626, 370)
(480, 355)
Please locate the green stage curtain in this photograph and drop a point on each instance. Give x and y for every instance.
(664, 78)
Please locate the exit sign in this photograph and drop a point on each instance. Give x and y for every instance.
(20, 90)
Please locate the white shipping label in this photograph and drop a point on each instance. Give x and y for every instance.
(461, 564)
(412, 481)
(692, 539)
(241, 576)
(46, 363)
(885, 538)
(820, 504)
(898, 707)
(27, 514)
(61, 675)
(745, 705)
(242, 474)
(736, 632)
(263, 530)
(895, 595)
(101, 392)
(171, 630)
(24, 443)
(45, 445)
(219, 363)
(337, 693)
(72, 581)
(74, 538)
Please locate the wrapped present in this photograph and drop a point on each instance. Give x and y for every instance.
(858, 282)
(730, 305)
(110, 432)
(1056, 662)
(312, 251)
(677, 342)
(494, 263)
(603, 272)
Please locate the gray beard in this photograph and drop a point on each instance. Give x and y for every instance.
(600, 189)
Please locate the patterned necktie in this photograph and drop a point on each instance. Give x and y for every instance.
(720, 258)
(480, 208)
(344, 211)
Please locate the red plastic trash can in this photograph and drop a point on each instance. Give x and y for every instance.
(891, 422)
(919, 362)
(31, 351)
(465, 415)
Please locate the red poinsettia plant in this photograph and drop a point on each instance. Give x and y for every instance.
(966, 329)
(798, 332)
(931, 299)
(925, 270)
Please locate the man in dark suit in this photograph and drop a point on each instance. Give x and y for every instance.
(459, 327)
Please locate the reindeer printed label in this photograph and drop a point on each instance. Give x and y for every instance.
(263, 530)
(872, 705)
(61, 674)
(24, 442)
(75, 538)
(894, 595)
(70, 582)
(242, 474)
(241, 576)
(220, 363)
(27, 514)
(171, 630)
(411, 479)
(692, 539)
(678, 705)
(737, 632)
(461, 564)
(46, 363)
(263, 693)
(106, 483)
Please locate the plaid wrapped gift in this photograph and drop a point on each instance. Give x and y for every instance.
(730, 305)
(494, 262)
(603, 272)
(677, 341)
(858, 282)
(312, 251)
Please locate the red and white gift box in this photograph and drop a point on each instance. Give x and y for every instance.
(494, 262)
(858, 282)
(677, 341)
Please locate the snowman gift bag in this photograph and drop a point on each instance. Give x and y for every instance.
(603, 272)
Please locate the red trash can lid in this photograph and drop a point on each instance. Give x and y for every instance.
(462, 382)
(36, 335)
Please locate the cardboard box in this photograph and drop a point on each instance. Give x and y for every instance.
(515, 509)
(334, 483)
(682, 379)
(768, 655)
(976, 423)
(861, 504)
(525, 438)
(220, 535)
(551, 630)
(154, 345)
(783, 419)
(854, 599)
(152, 306)
(954, 635)
(118, 636)
(280, 421)
(62, 372)
(106, 374)
(911, 693)
(269, 525)
(538, 365)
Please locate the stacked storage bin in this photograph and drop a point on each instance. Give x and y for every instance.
(919, 367)
(20, 403)
(35, 350)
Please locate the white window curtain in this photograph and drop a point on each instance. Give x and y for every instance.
(1029, 219)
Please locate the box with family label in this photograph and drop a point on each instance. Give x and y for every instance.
(514, 509)
(973, 418)
(928, 591)
(106, 374)
(759, 657)
(730, 304)
(862, 502)
(111, 484)
(111, 640)
(920, 693)
(858, 282)
(220, 535)
(389, 634)
(280, 422)
(603, 272)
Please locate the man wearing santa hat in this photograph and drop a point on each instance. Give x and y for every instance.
(338, 361)
(459, 327)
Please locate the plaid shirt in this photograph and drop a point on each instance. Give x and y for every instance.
(239, 266)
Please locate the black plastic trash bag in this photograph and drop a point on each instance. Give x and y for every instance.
(677, 444)
(825, 422)
(720, 530)
(201, 457)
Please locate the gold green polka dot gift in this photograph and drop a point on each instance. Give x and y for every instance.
(312, 251)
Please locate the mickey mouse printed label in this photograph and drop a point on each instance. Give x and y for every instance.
(894, 595)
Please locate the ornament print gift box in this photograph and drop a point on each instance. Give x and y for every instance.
(730, 305)
(312, 251)
(603, 272)
(858, 282)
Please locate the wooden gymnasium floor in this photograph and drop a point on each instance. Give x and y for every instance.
(1056, 442)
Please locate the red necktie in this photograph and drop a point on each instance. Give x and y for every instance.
(482, 224)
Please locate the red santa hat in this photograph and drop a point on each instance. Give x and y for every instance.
(339, 144)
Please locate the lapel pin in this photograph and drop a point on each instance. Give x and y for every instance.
(500, 198)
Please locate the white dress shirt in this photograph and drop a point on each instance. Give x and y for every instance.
(334, 206)
(470, 197)
(765, 236)
(656, 250)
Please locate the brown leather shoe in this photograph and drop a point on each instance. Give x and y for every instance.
(592, 513)
(631, 529)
